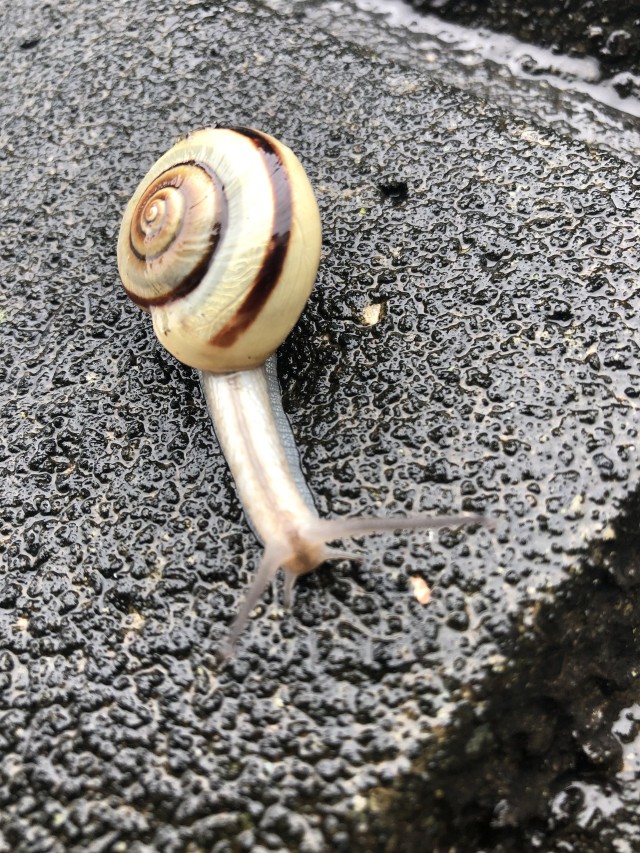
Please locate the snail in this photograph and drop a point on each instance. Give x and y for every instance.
(221, 244)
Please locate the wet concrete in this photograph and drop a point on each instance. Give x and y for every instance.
(501, 262)
(606, 29)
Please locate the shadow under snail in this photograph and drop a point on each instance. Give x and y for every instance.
(221, 243)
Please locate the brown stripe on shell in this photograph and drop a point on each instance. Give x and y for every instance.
(271, 269)
(195, 276)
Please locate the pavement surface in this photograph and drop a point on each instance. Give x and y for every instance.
(471, 344)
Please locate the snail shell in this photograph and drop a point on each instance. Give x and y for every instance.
(221, 243)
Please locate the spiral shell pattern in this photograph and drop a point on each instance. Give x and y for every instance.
(221, 243)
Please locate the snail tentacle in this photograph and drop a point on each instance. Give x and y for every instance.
(267, 570)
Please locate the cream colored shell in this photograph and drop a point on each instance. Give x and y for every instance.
(255, 283)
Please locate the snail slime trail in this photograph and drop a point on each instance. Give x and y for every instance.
(221, 244)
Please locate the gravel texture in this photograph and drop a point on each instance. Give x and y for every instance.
(501, 377)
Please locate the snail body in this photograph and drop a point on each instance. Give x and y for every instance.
(221, 243)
